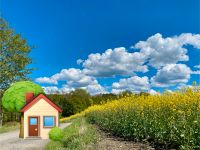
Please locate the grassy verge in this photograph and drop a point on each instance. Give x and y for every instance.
(9, 127)
(76, 136)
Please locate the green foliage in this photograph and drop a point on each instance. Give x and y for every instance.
(76, 136)
(73, 102)
(14, 97)
(14, 57)
(56, 134)
(103, 98)
(64, 102)
(78, 100)
(81, 98)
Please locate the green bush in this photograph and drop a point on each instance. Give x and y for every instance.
(77, 136)
(14, 98)
(56, 134)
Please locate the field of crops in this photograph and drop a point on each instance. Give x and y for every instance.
(170, 119)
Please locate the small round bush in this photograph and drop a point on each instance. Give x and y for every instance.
(56, 134)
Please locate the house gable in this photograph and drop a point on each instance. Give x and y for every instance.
(38, 98)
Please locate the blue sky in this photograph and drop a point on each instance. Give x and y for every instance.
(69, 30)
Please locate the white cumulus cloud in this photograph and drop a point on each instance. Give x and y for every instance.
(46, 80)
(197, 66)
(157, 51)
(195, 72)
(134, 84)
(74, 78)
(183, 86)
(160, 51)
(114, 62)
(152, 92)
(171, 74)
(94, 89)
(51, 89)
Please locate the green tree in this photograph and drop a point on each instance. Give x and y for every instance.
(14, 57)
(64, 102)
(103, 98)
(81, 95)
(144, 94)
(73, 102)
(14, 97)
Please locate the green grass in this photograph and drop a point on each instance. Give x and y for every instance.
(9, 127)
(76, 136)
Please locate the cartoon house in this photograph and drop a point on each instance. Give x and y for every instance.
(39, 116)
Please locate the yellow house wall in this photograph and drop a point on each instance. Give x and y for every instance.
(41, 108)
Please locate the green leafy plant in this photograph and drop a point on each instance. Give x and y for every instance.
(56, 134)
(14, 56)
(77, 136)
(14, 98)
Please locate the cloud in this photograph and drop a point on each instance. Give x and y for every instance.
(189, 38)
(79, 61)
(183, 86)
(75, 78)
(117, 91)
(195, 72)
(197, 66)
(114, 62)
(51, 89)
(161, 51)
(152, 92)
(55, 89)
(66, 89)
(171, 74)
(134, 84)
(156, 51)
(94, 89)
(46, 80)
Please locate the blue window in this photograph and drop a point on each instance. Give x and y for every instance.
(49, 121)
(33, 121)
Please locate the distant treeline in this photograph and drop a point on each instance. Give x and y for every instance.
(78, 100)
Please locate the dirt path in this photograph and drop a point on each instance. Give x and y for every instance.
(11, 141)
(108, 142)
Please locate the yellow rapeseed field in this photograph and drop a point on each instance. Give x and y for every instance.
(171, 119)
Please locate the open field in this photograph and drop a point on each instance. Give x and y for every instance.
(170, 120)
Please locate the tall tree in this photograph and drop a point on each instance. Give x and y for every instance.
(14, 57)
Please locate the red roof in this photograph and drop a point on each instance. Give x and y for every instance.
(36, 99)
